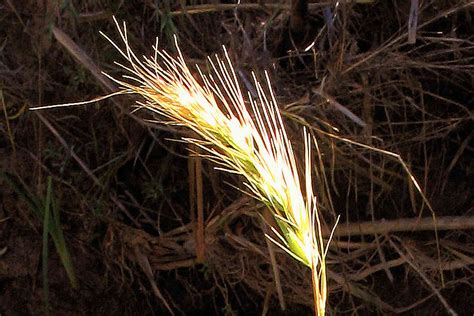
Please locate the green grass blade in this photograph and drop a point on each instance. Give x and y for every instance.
(53, 223)
(60, 243)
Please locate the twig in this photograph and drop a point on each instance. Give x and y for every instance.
(209, 8)
(404, 225)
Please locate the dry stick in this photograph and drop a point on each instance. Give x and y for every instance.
(386, 265)
(209, 8)
(404, 225)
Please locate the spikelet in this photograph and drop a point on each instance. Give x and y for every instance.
(242, 135)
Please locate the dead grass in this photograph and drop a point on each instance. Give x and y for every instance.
(130, 196)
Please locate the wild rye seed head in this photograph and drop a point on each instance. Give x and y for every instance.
(244, 135)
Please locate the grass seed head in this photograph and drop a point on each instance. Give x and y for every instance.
(243, 135)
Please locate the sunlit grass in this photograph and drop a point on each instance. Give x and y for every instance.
(243, 135)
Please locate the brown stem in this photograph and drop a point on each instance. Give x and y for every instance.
(404, 225)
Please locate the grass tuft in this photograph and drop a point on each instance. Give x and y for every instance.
(48, 212)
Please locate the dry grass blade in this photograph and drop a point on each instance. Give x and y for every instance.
(83, 58)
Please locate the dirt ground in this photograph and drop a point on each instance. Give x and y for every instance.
(99, 205)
